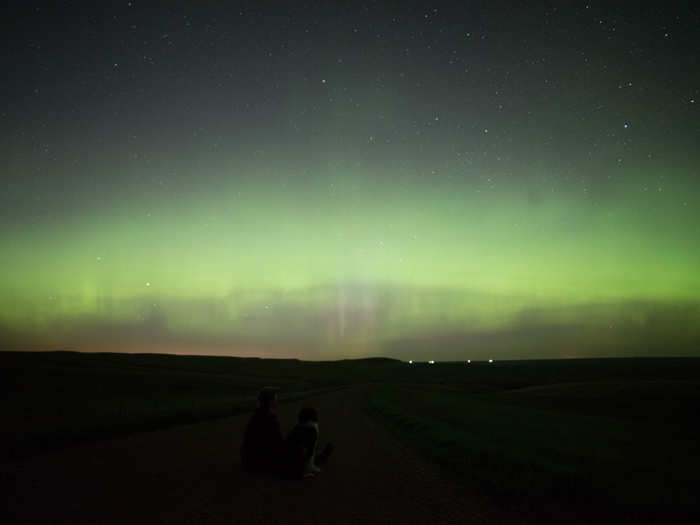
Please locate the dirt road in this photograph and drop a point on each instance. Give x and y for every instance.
(191, 474)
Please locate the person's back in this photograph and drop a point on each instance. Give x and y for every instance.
(300, 447)
(262, 447)
(300, 450)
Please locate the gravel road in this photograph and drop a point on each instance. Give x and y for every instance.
(192, 474)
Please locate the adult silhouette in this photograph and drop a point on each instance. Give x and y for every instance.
(263, 445)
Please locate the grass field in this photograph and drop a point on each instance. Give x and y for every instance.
(52, 399)
(588, 434)
(594, 434)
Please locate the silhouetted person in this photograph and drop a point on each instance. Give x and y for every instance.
(300, 455)
(263, 445)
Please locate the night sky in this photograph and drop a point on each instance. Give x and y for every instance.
(421, 181)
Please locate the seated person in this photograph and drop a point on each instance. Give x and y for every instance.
(300, 454)
(263, 444)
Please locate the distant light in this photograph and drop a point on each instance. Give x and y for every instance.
(431, 362)
(148, 284)
(490, 360)
(410, 362)
(469, 361)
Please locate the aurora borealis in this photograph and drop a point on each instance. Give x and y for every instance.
(410, 180)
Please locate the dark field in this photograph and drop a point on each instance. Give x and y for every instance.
(599, 438)
(53, 399)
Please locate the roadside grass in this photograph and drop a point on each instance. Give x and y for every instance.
(58, 399)
(539, 453)
(93, 419)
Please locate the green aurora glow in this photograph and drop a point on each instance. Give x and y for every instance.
(351, 263)
(353, 240)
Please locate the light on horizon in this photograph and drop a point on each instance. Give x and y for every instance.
(431, 362)
(490, 360)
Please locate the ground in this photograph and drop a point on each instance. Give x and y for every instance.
(192, 474)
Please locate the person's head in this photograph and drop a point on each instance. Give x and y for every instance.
(308, 415)
(268, 398)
